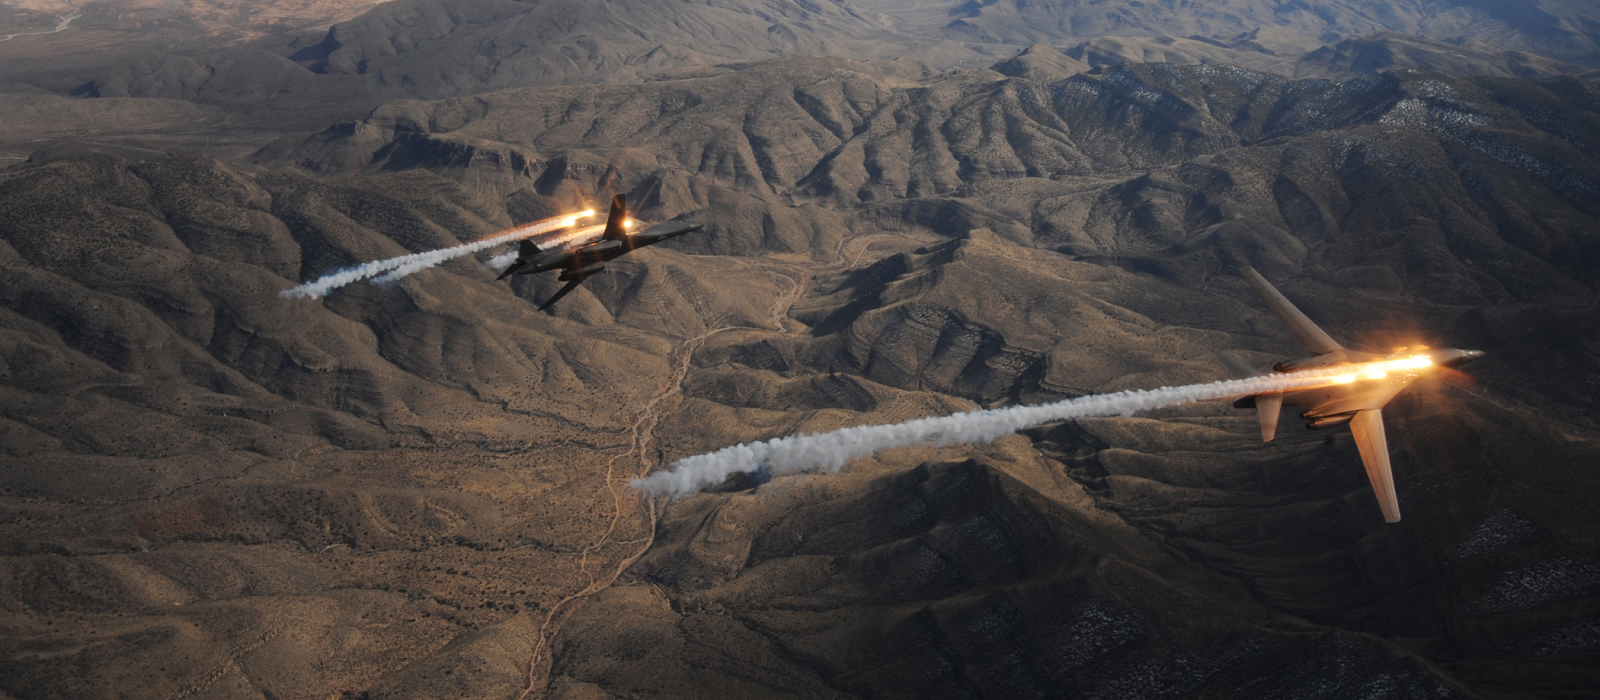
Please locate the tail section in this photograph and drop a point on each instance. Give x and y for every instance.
(527, 252)
(616, 223)
(1268, 406)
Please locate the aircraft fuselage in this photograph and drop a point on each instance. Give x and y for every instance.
(1363, 393)
(580, 261)
(1355, 399)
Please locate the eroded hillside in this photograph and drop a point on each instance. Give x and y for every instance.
(418, 490)
(289, 66)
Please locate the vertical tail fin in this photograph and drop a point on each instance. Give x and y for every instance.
(616, 223)
(526, 249)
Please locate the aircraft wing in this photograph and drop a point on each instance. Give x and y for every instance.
(1312, 338)
(1367, 426)
(563, 291)
(1234, 365)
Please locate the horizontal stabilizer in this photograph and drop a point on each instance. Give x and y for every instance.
(1310, 337)
(526, 252)
(1268, 406)
(1367, 426)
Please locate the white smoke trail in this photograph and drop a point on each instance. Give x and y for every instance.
(501, 261)
(576, 236)
(830, 451)
(416, 262)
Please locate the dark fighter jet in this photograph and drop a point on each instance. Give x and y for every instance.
(578, 263)
(1357, 399)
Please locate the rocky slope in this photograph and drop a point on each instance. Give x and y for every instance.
(417, 490)
(1557, 28)
(431, 49)
(203, 470)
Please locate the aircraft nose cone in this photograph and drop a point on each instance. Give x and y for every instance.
(1456, 358)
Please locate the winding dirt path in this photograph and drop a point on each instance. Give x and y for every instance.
(62, 23)
(664, 404)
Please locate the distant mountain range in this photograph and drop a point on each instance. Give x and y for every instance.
(431, 49)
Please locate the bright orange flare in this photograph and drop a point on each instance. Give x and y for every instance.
(1378, 370)
(565, 220)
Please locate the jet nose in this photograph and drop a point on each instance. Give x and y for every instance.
(1456, 358)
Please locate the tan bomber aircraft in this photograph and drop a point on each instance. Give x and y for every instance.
(1358, 402)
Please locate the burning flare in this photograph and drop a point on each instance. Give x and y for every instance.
(831, 451)
(570, 239)
(1378, 370)
(416, 262)
(557, 242)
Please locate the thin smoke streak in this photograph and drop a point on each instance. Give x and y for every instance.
(408, 264)
(499, 262)
(830, 451)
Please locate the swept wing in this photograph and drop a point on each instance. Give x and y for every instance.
(1312, 338)
(1367, 426)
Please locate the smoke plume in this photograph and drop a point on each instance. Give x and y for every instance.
(408, 264)
(830, 451)
(557, 242)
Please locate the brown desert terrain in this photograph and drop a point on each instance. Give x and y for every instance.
(420, 489)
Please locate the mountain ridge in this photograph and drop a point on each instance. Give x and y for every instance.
(419, 489)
